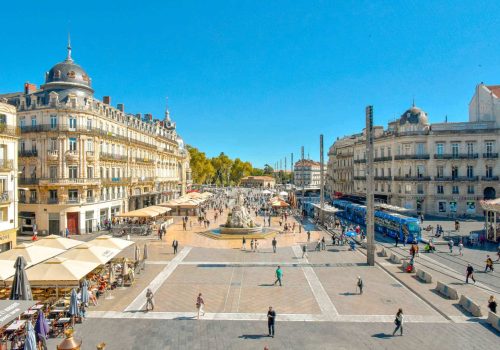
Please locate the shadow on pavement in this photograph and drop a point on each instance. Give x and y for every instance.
(347, 294)
(382, 336)
(253, 336)
(180, 318)
(266, 285)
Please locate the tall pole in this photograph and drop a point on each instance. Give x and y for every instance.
(302, 173)
(291, 168)
(284, 173)
(370, 232)
(321, 181)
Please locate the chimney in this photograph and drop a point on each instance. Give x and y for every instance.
(29, 88)
(106, 100)
(148, 117)
(120, 107)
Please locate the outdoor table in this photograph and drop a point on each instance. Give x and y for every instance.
(29, 312)
(63, 320)
(57, 310)
(37, 307)
(14, 326)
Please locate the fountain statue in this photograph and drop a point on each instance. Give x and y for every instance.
(239, 220)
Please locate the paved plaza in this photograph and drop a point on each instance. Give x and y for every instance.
(318, 306)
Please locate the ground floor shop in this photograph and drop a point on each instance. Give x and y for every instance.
(8, 239)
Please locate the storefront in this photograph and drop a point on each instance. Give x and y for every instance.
(7, 239)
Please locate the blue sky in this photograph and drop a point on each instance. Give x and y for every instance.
(258, 79)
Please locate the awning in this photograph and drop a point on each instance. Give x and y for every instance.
(108, 241)
(54, 241)
(148, 212)
(91, 253)
(491, 205)
(11, 309)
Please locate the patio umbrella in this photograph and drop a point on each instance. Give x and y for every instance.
(350, 234)
(41, 325)
(111, 274)
(125, 267)
(137, 255)
(73, 303)
(20, 289)
(145, 255)
(85, 292)
(30, 341)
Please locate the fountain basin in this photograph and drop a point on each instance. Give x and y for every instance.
(239, 230)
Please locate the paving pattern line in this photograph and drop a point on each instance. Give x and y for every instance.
(321, 296)
(225, 316)
(156, 283)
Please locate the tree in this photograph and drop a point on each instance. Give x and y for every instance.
(239, 170)
(222, 166)
(257, 172)
(202, 170)
(268, 170)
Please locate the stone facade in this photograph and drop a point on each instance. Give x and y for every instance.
(307, 174)
(258, 181)
(81, 161)
(443, 168)
(9, 137)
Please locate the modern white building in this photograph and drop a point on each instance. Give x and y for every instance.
(9, 137)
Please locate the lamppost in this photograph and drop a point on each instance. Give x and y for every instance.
(370, 232)
(322, 182)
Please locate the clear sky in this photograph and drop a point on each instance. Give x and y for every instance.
(258, 79)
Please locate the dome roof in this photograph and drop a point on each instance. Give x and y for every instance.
(414, 115)
(67, 75)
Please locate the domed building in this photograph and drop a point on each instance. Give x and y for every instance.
(82, 161)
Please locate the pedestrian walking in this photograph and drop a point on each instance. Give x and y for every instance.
(256, 246)
(492, 304)
(274, 242)
(200, 305)
(243, 243)
(470, 273)
(271, 319)
(489, 264)
(300, 228)
(318, 245)
(398, 321)
(323, 243)
(251, 245)
(175, 245)
(450, 245)
(149, 300)
(460, 248)
(279, 275)
(396, 238)
(359, 285)
(304, 251)
(308, 236)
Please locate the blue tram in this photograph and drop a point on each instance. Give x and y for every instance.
(390, 224)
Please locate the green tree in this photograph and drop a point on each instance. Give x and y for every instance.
(201, 167)
(268, 170)
(239, 170)
(257, 172)
(222, 166)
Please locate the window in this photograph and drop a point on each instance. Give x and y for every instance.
(407, 189)
(420, 148)
(53, 172)
(90, 145)
(407, 149)
(470, 171)
(382, 187)
(442, 207)
(89, 124)
(389, 152)
(53, 144)
(454, 150)
(90, 172)
(72, 196)
(72, 144)
(33, 121)
(52, 194)
(470, 148)
(489, 171)
(4, 214)
(389, 171)
(72, 123)
(33, 146)
(73, 172)
(382, 151)
(454, 189)
(420, 170)
(420, 188)
(440, 171)
(470, 189)
(53, 121)
(454, 172)
(90, 193)
(489, 148)
(439, 189)
(440, 148)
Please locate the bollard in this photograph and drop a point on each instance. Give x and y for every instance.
(470, 306)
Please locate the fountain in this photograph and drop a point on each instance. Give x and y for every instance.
(239, 220)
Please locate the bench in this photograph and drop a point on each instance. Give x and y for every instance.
(471, 306)
(447, 291)
(494, 320)
(424, 276)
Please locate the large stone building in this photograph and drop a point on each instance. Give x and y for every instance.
(258, 181)
(442, 168)
(81, 161)
(306, 173)
(9, 137)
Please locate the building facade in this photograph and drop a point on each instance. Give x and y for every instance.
(9, 137)
(307, 173)
(258, 181)
(81, 161)
(442, 168)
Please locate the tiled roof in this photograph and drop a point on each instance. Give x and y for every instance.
(495, 89)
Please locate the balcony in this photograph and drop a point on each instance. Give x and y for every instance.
(52, 200)
(28, 181)
(72, 201)
(90, 156)
(90, 199)
(360, 178)
(32, 153)
(357, 161)
(6, 197)
(382, 159)
(465, 178)
(49, 181)
(411, 156)
(383, 178)
(53, 155)
(144, 160)
(115, 181)
(112, 157)
(9, 130)
(412, 178)
(443, 178)
(456, 156)
(72, 156)
(489, 178)
(490, 155)
(6, 164)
